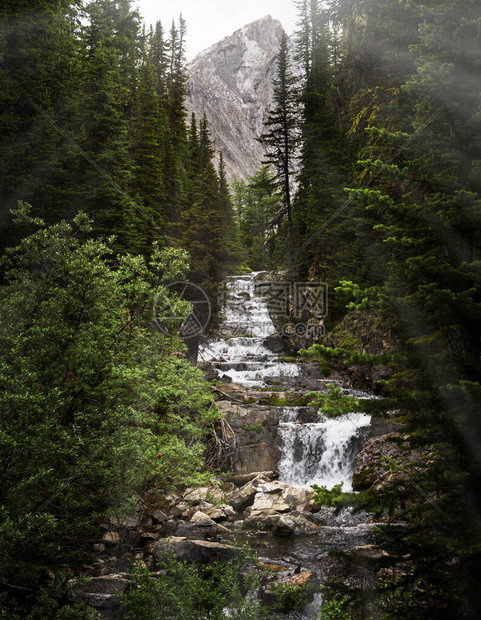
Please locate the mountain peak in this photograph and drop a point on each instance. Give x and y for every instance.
(231, 82)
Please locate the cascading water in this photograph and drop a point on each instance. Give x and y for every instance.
(320, 453)
(243, 352)
(313, 449)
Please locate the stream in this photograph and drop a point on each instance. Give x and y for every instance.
(313, 449)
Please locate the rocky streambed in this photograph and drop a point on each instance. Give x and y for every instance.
(280, 522)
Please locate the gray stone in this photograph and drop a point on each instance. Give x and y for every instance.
(245, 496)
(231, 83)
(216, 513)
(261, 522)
(296, 525)
(148, 537)
(280, 497)
(127, 522)
(196, 531)
(269, 502)
(100, 592)
(196, 496)
(202, 520)
(111, 538)
(257, 437)
(195, 551)
(370, 468)
(159, 517)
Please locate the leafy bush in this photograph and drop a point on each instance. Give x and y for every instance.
(292, 597)
(336, 608)
(334, 403)
(182, 591)
(328, 498)
(95, 402)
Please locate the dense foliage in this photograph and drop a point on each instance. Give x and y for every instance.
(93, 118)
(392, 91)
(89, 388)
(189, 592)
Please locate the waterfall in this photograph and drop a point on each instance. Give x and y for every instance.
(320, 453)
(242, 353)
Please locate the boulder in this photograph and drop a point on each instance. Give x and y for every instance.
(203, 529)
(371, 471)
(277, 497)
(196, 496)
(170, 526)
(265, 503)
(159, 517)
(216, 513)
(300, 499)
(257, 437)
(195, 551)
(202, 520)
(148, 537)
(127, 522)
(261, 522)
(303, 578)
(296, 525)
(111, 538)
(100, 592)
(245, 496)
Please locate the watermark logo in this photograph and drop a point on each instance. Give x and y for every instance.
(292, 309)
(300, 308)
(313, 330)
(170, 310)
(296, 300)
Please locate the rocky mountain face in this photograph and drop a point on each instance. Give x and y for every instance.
(231, 82)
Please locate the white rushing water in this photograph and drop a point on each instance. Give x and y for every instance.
(320, 453)
(242, 352)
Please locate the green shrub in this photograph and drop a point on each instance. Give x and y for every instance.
(323, 497)
(96, 403)
(181, 591)
(336, 608)
(291, 597)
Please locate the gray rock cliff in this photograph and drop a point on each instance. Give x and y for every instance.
(232, 83)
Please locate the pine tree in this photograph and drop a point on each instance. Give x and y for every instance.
(259, 210)
(281, 136)
(39, 67)
(324, 156)
(110, 40)
(158, 57)
(149, 135)
(175, 153)
(229, 224)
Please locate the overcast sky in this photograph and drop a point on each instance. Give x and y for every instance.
(209, 21)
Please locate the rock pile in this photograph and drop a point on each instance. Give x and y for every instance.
(198, 527)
